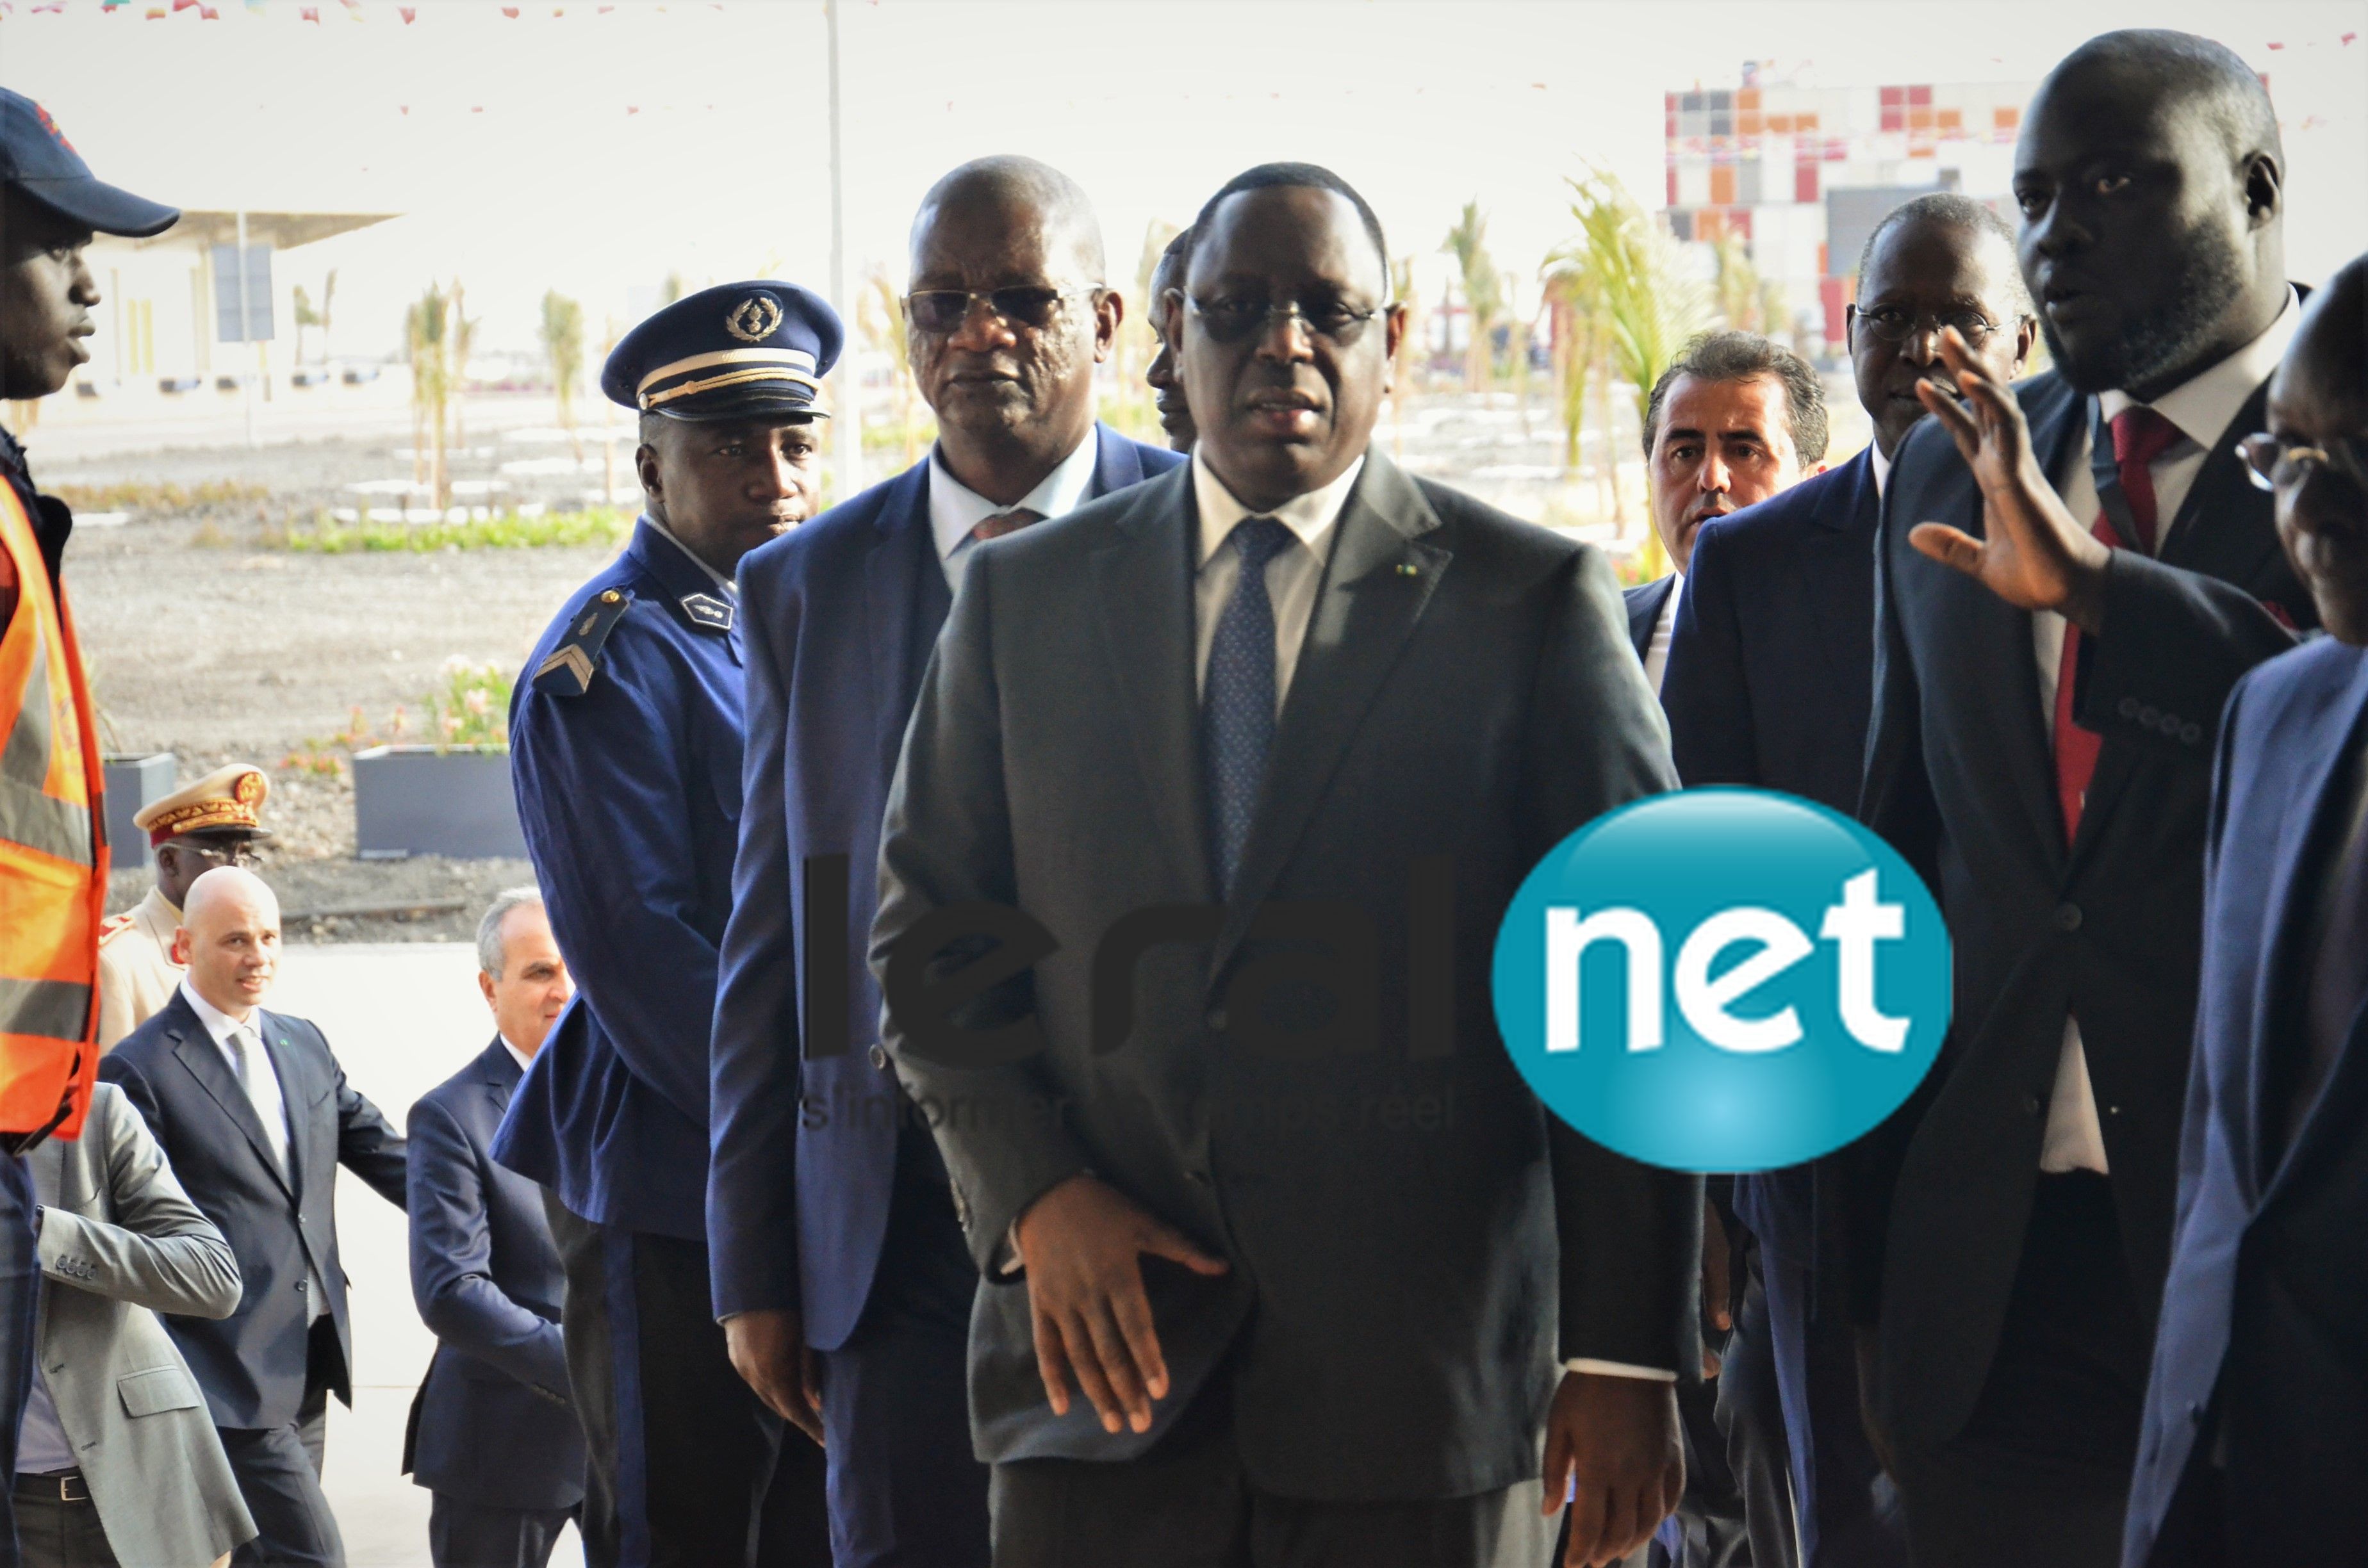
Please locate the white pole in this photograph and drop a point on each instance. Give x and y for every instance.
(847, 415)
(245, 332)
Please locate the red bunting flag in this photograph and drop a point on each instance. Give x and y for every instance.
(308, 13)
(409, 14)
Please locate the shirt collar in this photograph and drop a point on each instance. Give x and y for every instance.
(2205, 404)
(1882, 466)
(520, 1057)
(218, 1023)
(717, 578)
(1310, 517)
(955, 508)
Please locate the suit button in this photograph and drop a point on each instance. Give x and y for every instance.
(1216, 1020)
(2129, 707)
(2031, 1105)
(879, 1054)
(300, 1287)
(2191, 733)
(2068, 917)
(2149, 715)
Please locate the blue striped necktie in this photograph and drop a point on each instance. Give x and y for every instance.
(1237, 700)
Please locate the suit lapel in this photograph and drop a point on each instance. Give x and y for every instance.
(2291, 893)
(905, 599)
(196, 1051)
(1381, 575)
(499, 1072)
(1644, 612)
(295, 1091)
(1143, 590)
(1825, 578)
(2223, 530)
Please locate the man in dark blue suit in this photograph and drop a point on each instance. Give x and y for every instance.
(625, 749)
(493, 1431)
(1771, 676)
(830, 1217)
(2255, 1415)
(1735, 420)
(255, 1116)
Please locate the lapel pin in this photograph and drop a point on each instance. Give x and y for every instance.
(1409, 569)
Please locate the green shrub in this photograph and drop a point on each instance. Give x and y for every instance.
(507, 529)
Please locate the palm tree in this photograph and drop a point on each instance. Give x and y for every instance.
(562, 345)
(1403, 292)
(1624, 269)
(428, 332)
(880, 319)
(305, 317)
(463, 334)
(1483, 294)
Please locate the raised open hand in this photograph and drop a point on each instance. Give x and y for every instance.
(2035, 555)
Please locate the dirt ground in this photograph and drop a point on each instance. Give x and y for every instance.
(209, 639)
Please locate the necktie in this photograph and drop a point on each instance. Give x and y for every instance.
(2335, 979)
(1002, 523)
(2140, 435)
(262, 1087)
(1238, 698)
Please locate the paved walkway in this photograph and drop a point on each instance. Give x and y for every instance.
(402, 1017)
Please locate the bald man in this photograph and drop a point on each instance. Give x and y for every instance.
(838, 1259)
(2256, 1416)
(255, 1115)
(2071, 573)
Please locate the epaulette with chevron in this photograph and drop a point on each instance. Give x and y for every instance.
(568, 671)
(113, 924)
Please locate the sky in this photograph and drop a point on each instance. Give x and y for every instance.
(598, 150)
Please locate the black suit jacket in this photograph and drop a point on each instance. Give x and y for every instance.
(1961, 780)
(493, 1423)
(1642, 604)
(251, 1363)
(1401, 1229)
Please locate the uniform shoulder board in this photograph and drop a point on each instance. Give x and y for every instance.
(568, 671)
(706, 610)
(112, 925)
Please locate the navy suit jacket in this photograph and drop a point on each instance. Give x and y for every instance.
(840, 619)
(1771, 676)
(630, 796)
(493, 1423)
(2267, 1304)
(283, 1229)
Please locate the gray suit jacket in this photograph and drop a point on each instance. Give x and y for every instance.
(1415, 1241)
(120, 1242)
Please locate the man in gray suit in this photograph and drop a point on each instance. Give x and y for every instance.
(117, 1460)
(1283, 731)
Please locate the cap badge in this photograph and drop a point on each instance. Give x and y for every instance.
(249, 791)
(754, 319)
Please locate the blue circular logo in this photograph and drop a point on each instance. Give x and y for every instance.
(1723, 980)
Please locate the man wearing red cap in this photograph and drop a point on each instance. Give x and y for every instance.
(52, 845)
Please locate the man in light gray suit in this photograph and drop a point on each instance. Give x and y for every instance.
(1317, 719)
(117, 1460)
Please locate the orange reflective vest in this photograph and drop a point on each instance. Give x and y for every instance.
(52, 852)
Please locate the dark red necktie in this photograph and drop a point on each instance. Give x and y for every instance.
(1003, 523)
(2140, 435)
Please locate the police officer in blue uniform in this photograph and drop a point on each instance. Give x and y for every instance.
(626, 752)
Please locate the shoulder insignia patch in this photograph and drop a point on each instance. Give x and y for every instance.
(706, 610)
(114, 923)
(568, 671)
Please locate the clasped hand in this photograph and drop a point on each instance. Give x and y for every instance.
(2035, 555)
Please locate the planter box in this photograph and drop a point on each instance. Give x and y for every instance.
(131, 781)
(418, 800)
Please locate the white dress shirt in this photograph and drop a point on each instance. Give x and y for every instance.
(1882, 466)
(240, 1041)
(1665, 628)
(955, 508)
(1291, 576)
(520, 1057)
(2203, 408)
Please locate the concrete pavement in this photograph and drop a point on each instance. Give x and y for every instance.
(402, 1017)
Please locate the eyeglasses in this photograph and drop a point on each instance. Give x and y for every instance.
(1234, 321)
(945, 310)
(1893, 324)
(2273, 463)
(240, 854)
